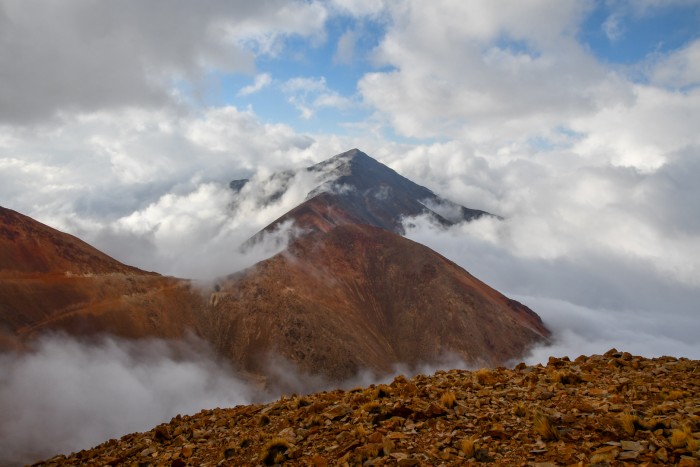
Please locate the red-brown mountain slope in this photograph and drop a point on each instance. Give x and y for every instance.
(27, 246)
(359, 297)
(52, 281)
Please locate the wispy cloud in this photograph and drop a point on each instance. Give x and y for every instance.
(261, 81)
(310, 94)
(345, 50)
(613, 27)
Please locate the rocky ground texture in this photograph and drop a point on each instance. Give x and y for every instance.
(612, 409)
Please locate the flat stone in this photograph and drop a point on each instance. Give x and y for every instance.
(627, 455)
(631, 446)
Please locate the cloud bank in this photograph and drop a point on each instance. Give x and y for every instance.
(103, 56)
(68, 395)
(591, 301)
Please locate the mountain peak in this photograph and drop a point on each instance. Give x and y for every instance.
(352, 154)
(355, 188)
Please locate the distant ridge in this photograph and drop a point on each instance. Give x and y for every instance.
(52, 281)
(28, 246)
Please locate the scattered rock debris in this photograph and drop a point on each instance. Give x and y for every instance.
(614, 409)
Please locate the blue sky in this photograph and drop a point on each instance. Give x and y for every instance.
(621, 35)
(316, 60)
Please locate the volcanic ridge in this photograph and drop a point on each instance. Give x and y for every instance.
(348, 294)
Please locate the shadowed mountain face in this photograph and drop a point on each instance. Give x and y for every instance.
(356, 189)
(52, 281)
(358, 297)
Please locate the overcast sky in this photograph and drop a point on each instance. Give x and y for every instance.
(577, 121)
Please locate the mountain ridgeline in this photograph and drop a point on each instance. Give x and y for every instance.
(353, 188)
(348, 294)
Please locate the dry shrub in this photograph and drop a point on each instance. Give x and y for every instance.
(653, 424)
(371, 407)
(628, 422)
(399, 380)
(300, 402)
(680, 437)
(545, 427)
(693, 444)
(468, 447)
(520, 410)
(485, 376)
(566, 377)
(448, 399)
(388, 446)
(360, 431)
(364, 453)
(383, 390)
(314, 420)
(675, 395)
(273, 452)
(264, 420)
(378, 392)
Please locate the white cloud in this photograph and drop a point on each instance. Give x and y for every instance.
(359, 8)
(199, 234)
(112, 163)
(643, 132)
(592, 298)
(266, 23)
(345, 50)
(588, 331)
(66, 395)
(305, 84)
(261, 81)
(89, 55)
(310, 94)
(490, 74)
(679, 69)
(613, 28)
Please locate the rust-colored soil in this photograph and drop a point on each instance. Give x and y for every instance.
(27, 246)
(359, 297)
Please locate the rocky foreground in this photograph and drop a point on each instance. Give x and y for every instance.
(612, 409)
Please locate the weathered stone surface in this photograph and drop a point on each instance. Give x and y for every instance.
(492, 419)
